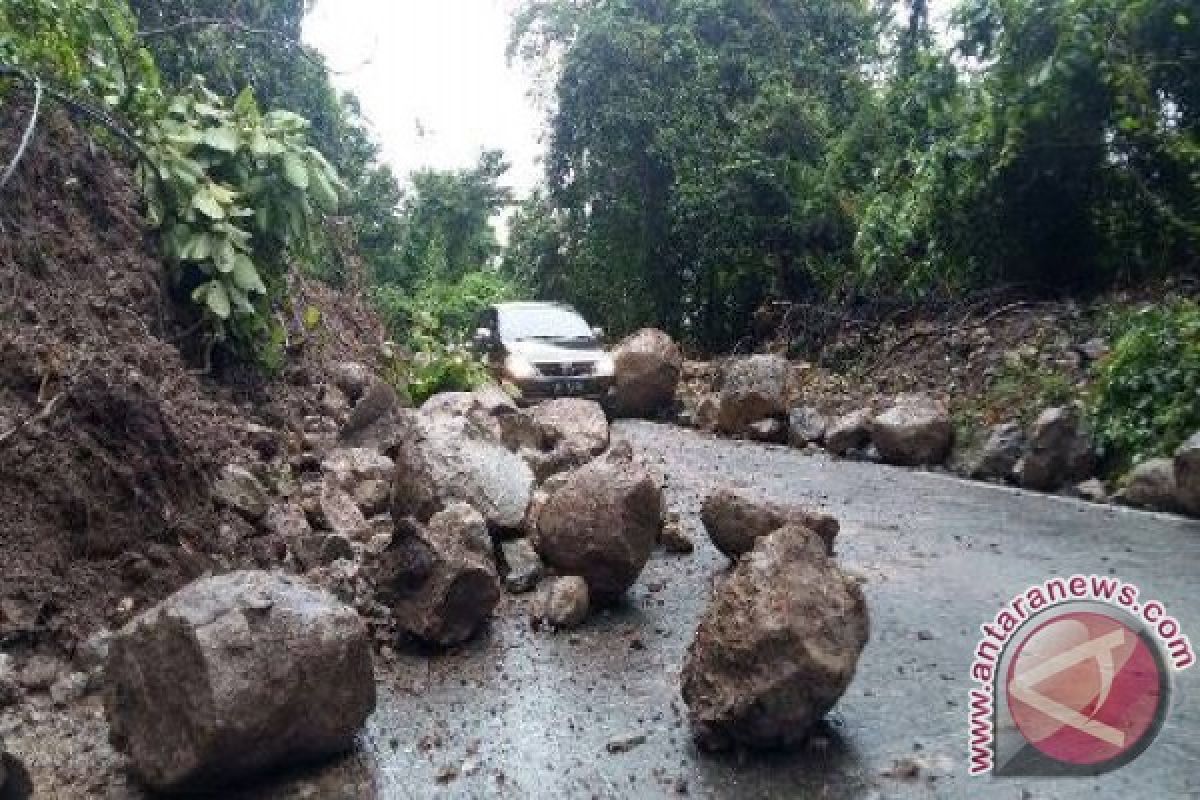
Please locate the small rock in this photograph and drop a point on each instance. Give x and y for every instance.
(674, 539)
(69, 688)
(9, 683)
(373, 497)
(771, 431)
(624, 744)
(806, 426)
(578, 425)
(238, 489)
(752, 389)
(563, 604)
(849, 432)
(320, 549)
(351, 378)
(1093, 490)
(352, 465)
(523, 564)
(287, 522)
(333, 402)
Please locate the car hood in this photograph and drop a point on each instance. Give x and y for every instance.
(546, 352)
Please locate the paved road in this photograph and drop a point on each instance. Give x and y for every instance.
(523, 714)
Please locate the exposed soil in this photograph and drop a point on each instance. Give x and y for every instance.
(110, 437)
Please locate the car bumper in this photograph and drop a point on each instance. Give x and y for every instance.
(587, 388)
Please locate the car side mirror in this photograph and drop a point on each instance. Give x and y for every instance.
(598, 334)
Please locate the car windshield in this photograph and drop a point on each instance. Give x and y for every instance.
(548, 324)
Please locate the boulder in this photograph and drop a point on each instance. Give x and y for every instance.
(674, 538)
(352, 378)
(998, 459)
(1187, 475)
(236, 675)
(735, 519)
(602, 525)
(237, 488)
(777, 647)
(546, 463)
(341, 514)
(578, 425)
(564, 603)
(648, 368)
(524, 567)
(1060, 452)
(1151, 485)
(443, 460)
(439, 579)
(752, 389)
(377, 422)
(707, 412)
(915, 431)
(806, 426)
(849, 432)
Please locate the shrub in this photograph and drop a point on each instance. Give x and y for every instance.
(429, 363)
(1146, 400)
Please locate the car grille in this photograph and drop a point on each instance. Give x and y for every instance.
(569, 370)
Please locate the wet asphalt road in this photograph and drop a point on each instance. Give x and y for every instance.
(526, 714)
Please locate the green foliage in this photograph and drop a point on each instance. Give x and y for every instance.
(1146, 400)
(1029, 386)
(431, 363)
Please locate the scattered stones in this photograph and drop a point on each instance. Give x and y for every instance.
(997, 461)
(1187, 475)
(849, 432)
(1060, 452)
(602, 525)
(806, 426)
(443, 460)
(752, 389)
(235, 675)
(777, 647)
(563, 604)
(238, 489)
(735, 519)
(1151, 485)
(648, 368)
(623, 744)
(523, 565)
(578, 425)
(915, 431)
(440, 579)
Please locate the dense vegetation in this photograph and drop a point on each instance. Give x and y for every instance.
(707, 155)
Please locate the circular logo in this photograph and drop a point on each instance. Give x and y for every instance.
(1087, 689)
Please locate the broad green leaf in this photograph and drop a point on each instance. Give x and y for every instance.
(295, 170)
(225, 256)
(224, 139)
(322, 192)
(207, 204)
(245, 275)
(246, 105)
(218, 299)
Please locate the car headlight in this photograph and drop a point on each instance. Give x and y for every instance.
(520, 368)
(605, 367)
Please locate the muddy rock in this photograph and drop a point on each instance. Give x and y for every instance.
(341, 513)
(602, 525)
(377, 421)
(287, 522)
(771, 430)
(352, 378)
(1151, 485)
(1093, 490)
(39, 673)
(1187, 475)
(547, 463)
(579, 425)
(1060, 452)
(440, 579)
(350, 466)
(563, 604)
(735, 519)
(444, 460)
(236, 675)
(707, 412)
(320, 549)
(752, 389)
(673, 537)
(915, 431)
(523, 565)
(648, 368)
(777, 648)
(849, 432)
(806, 426)
(238, 489)
(998, 458)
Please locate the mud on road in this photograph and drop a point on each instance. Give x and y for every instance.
(597, 713)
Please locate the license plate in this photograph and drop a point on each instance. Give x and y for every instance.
(568, 387)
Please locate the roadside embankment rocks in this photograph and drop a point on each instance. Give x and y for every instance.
(1187, 475)
(849, 432)
(439, 578)
(915, 431)
(1151, 485)
(1060, 451)
(777, 647)
(751, 389)
(563, 603)
(736, 518)
(444, 459)
(648, 368)
(601, 524)
(997, 460)
(235, 675)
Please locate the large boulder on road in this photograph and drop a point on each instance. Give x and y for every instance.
(648, 368)
(1151, 485)
(441, 460)
(577, 425)
(439, 579)
(1187, 475)
(806, 426)
(1060, 452)
(602, 525)
(849, 432)
(735, 519)
(752, 389)
(235, 675)
(777, 647)
(915, 431)
(1001, 453)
